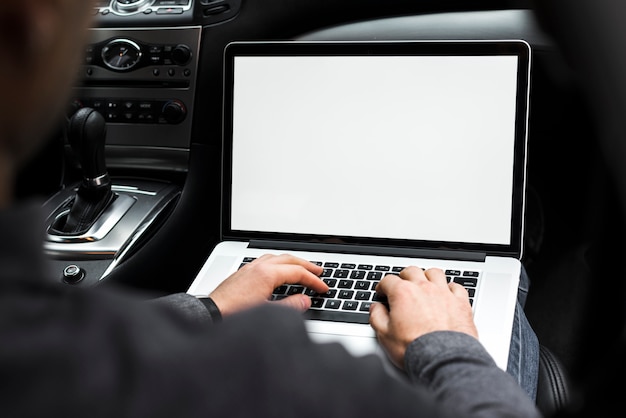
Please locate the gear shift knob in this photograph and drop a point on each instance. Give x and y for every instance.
(87, 134)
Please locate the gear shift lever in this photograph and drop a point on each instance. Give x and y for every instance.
(87, 133)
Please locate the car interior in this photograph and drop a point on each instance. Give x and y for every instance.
(145, 125)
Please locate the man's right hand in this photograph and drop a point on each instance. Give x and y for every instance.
(253, 283)
(419, 302)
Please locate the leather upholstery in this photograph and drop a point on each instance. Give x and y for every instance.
(553, 388)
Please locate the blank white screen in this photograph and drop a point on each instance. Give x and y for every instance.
(367, 146)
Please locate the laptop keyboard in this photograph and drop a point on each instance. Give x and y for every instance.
(352, 289)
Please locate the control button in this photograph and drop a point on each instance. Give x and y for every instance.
(186, 72)
(89, 55)
(170, 11)
(174, 111)
(145, 117)
(73, 274)
(171, 72)
(156, 72)
(181, 54)
(154, 52)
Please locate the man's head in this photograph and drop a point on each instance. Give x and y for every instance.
(41, 43)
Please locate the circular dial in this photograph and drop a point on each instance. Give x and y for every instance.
(130, 6)
(121, 54)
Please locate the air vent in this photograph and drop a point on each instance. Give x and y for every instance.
(213, 11)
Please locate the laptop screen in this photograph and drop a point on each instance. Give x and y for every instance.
(419, 143)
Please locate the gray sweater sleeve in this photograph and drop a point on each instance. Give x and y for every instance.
(455, 366)
(458, 369)
(197, 310)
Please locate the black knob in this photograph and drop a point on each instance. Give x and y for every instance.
(73, 274)
(181, 54)
(87, 134)
(174, 111)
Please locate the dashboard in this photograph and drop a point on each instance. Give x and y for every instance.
(141, 71)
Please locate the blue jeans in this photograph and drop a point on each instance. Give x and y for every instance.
(523, 362)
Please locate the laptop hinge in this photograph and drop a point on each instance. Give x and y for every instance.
(368, 250)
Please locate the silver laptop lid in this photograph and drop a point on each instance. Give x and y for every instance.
(385, 144)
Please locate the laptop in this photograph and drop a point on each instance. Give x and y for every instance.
(367, 157)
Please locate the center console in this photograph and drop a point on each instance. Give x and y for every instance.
(143, 81)
(140, 73)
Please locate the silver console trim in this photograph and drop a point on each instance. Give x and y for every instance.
(136, 7)
(98, 181)
(129, 244)
(140, 203)
(139, 7)
(103, 225)
(132, 189)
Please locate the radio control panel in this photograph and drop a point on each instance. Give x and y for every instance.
(122, 54)
(133, 110)
(143, 81)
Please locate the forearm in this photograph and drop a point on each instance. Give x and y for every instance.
(461, 373)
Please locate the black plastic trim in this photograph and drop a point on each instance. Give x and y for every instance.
(368, 250)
